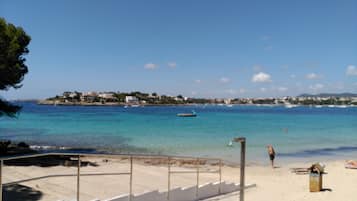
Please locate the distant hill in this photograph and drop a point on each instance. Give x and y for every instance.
(324, 95)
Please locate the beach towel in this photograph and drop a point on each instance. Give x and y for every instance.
(350, 166)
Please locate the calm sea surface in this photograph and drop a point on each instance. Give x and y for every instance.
(296, 133)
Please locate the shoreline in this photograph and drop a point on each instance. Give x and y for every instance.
(259, 161)
(288, 106)
(46, 102)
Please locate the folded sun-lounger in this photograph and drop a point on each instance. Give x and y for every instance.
(300, 170)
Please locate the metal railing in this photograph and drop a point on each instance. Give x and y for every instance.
(197, 172)
(131, 157)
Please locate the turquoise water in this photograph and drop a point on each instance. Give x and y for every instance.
(294, 132)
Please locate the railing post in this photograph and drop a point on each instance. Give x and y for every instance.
(78, 175)
(197, 176)
(242, 168)
(131, 179)
(1, 168)
(168, 178)
(220, 177)
(242, 141)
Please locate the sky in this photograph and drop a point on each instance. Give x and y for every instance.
(197, 48)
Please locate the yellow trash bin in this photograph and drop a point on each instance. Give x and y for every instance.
(315, 182)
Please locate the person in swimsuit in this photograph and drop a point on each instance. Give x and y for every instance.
(271, 153)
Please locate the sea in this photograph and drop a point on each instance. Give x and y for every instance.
(301, 133)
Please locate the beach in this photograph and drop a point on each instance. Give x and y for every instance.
(280, 184)
(271, 184)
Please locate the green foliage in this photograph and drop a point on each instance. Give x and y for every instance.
(120, 97)
(13, 46)
(8, 109)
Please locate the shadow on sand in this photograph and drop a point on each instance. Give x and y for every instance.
(48, 161)
(18, 192)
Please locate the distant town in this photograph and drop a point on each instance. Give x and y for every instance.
(140, 98)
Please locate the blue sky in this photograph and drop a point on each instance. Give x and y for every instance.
(199, 48)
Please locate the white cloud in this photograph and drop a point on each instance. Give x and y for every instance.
(293, 76)
(282, 89)
(351, 70)
(198, 81)
(150, 66)
(261, 77)
(172, 64)
(242, 90)
(263, 89)
(193, 93)
(316, 87)
(312, 76)
(224, 80)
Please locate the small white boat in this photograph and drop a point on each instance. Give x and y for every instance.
(290, 106)
(230, 144)
(229, 105)
(341, 106)
(331, 106)
(318, 106)
(192, 114)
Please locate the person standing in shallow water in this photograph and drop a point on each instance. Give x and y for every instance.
(271, 153)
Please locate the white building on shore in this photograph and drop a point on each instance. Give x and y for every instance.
(131, 100)
(107, 96)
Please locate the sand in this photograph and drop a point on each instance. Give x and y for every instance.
(272, 184)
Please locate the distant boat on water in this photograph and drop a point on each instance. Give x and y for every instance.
(127, 106)
(290, 106)
(192, 114)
